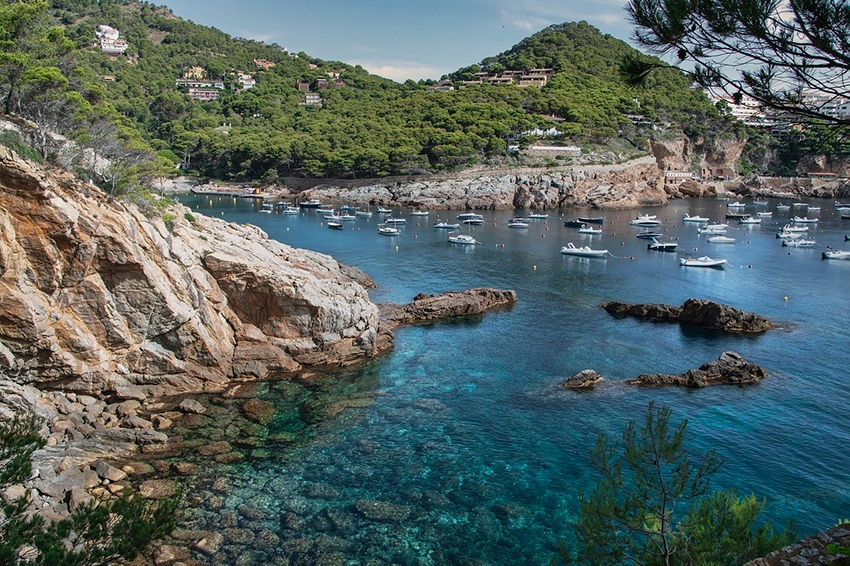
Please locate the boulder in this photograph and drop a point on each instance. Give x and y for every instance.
(694, 311)
(259, 411)
(191, 406)
(585, 379)
(730, 369)
(157, 489)
(456, 303)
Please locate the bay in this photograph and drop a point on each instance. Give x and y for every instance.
(460, 446)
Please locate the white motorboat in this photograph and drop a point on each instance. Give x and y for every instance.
(395, 221)
(585, 229)
(385, 230)
(382, 210)
(800, 204)
(464, 239)
(538, 216)
(760, 202)
(790, 228)
(703, 261)
(783, 207)
(267, 207)
(814, 209)
(584, 251)
(419, 213)
(645, 220)
(713, 229)
(764, 214)
(649, 235)
(470, 218)
(802, 220)
(689, 218)
(444, 224)
(735, 204)
(660, 246)
(334, 225)
(518, 223)
(749, 220)
(842, 204)
(291, 210)
(835, 254)
(789, 235)
(363, 213)
(798, 243)
(721, 240)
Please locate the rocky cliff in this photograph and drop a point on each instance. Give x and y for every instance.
(103, 298)
(624, 186)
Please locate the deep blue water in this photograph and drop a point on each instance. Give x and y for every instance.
(463, 424)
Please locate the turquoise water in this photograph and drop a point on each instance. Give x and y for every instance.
(462, 435)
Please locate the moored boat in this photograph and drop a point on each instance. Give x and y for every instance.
(721, 240)
(703, 261)
(835, 254)
(645, 220)
(518, 223)
(660, 246)
(385, 230)
(444, 224)
(591, 219)
(584, 251)
(750, 220)
(649, 235)
(334, 224)
(713, 229)
(570, 223)
(394, 221)
(697, 218)
(798, 243)
(312, 203)
(464, 239)
(418, 212)
(538, 216)
(585, 229)
(802, 220)
(736, 204)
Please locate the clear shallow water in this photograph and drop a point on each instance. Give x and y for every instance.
(461, 435)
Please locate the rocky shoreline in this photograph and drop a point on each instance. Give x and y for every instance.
(697, 312)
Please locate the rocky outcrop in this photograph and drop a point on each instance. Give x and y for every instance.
(629, 185)
(730, 368)
(694, 311)
(812, 551)
(103, 298)
(583, 380)
(455, 303)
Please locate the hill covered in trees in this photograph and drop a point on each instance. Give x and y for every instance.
(358, 124)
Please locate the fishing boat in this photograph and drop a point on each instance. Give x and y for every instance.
(660, 246)
(584, 251)
(721, 240)
(538, 216)
(470, 218)
(395, 221)
(385, 230)
(464, 239)
(703, 261)
(312, 203)
(689, 218)
(444, 224)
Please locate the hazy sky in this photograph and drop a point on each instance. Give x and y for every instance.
(400, 39)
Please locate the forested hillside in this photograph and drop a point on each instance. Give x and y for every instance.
(362, 125)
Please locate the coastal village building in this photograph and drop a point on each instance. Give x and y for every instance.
(264, 64)
(533, 77)
(203, 94)
(110, 44)
(312, 99)
(302, 85)
(247, 81)
(672, 178)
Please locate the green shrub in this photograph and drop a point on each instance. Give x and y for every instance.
(16, 143)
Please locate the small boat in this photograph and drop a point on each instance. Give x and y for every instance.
(783, 207)
(382, 210)
(470, 218)
(802, 220)
(842, 204)
(518, 223)
(814, 209)
(750, 220)
(835, 254)
(584, 251)
(645, 221)
(847, 238)
(591, 219)
(570, 223)
(721, 240)
(363, 213)
(736, 215)
(703, 261)
(735, 204)
(394, 221)
(312, 203)
(689, 218)
(444, 224)
(758, 202)
(648, 235)
(798, 243)
(385, 230)
(660, 246)
(585, 229)
(790, 228)
(764, 214)
(800, 204)
(419, 213)
(267, 207)
(713, 229)
(538, 216)
(845, 213)
(465, 239)
(782, 235)
(291, 210)
(334, 225)
(325, 209)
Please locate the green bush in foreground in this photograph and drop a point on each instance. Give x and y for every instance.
(654, 506)
(96, 533)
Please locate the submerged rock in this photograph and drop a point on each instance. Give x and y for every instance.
(730, 368)
(694, 311)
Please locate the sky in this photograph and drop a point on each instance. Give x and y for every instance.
(400, 39)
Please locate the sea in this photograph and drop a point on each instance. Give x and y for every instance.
(460, 446)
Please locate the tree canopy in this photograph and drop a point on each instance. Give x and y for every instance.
(790, 55)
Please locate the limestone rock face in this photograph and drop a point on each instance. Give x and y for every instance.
(730, 368)
(98, 297)
(628, 185)
(694, 311)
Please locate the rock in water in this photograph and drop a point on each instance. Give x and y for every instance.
(585, 379)
(694, 311)
(730, 368)
(454, 303)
